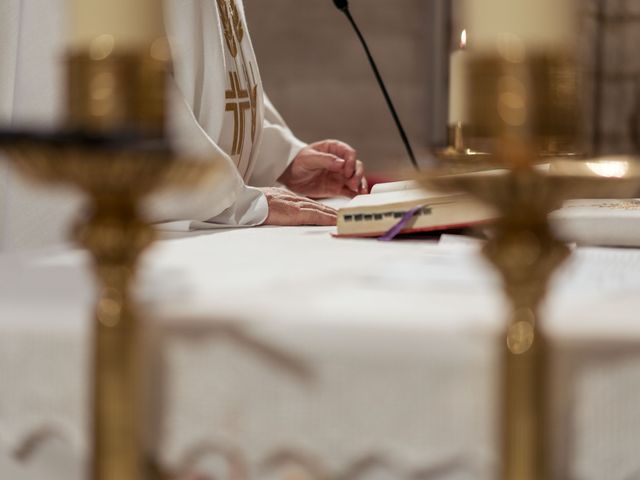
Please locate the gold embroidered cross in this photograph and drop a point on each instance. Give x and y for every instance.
(253, 91)
(238, 102)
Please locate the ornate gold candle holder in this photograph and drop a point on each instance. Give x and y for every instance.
(526, 253)
(529, 107)
(115, 177)
(116, 153)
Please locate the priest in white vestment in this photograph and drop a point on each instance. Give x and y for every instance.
(218, 110)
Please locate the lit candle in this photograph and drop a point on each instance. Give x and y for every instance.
(536, 23)
(458, 83)
(127, 24)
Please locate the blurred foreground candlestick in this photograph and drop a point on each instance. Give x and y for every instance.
(524, 69)
(525, 103)
(117, 153)
(118, 64)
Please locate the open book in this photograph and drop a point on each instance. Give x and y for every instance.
(375, 214)
(586, 222)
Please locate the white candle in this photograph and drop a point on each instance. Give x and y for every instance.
(536, 23)
(132, 24)
(458, 83)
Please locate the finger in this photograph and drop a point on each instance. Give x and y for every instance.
(364, 186)
(342, 150)
(324, 161)
(350, 167)
(355, 182)
(294, 202)
(347, 192)
(290, 197)
(295, 199)
(299, 212)
(312, 216)
(283, 198)
(318, 206)
(337, 148)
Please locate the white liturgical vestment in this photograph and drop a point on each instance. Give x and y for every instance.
(217, 104)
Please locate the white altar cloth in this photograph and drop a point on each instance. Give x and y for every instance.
(355, 358)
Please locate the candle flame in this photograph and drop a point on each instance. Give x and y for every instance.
(463, 40)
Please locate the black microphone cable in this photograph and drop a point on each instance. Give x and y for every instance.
(343, 6)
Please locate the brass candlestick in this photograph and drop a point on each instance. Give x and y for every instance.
(529, 108)
(116, 153)
(526, 253)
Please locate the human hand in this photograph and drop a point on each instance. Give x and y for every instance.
(289, 209)
(326, 169)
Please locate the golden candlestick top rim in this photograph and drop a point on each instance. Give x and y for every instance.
(106, 46)
(104, 163)
(558, 179)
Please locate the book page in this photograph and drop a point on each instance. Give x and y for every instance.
(406, 196)
(395, 186)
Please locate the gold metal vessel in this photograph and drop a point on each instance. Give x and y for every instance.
(529, 111)
(115, 151)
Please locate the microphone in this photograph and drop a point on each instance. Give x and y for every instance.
(343, 6)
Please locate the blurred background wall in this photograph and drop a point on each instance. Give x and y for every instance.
(610, 41)
(316, 74)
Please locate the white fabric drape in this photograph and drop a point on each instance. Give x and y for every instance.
(9, 10)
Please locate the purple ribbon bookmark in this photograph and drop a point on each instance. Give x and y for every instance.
(398, 227)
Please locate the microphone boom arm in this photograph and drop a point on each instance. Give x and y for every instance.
(344, 7)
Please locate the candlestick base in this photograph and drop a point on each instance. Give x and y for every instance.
(468, 153)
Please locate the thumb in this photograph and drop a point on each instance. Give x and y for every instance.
(323, 161)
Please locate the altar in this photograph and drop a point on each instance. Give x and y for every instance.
(286, 353)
